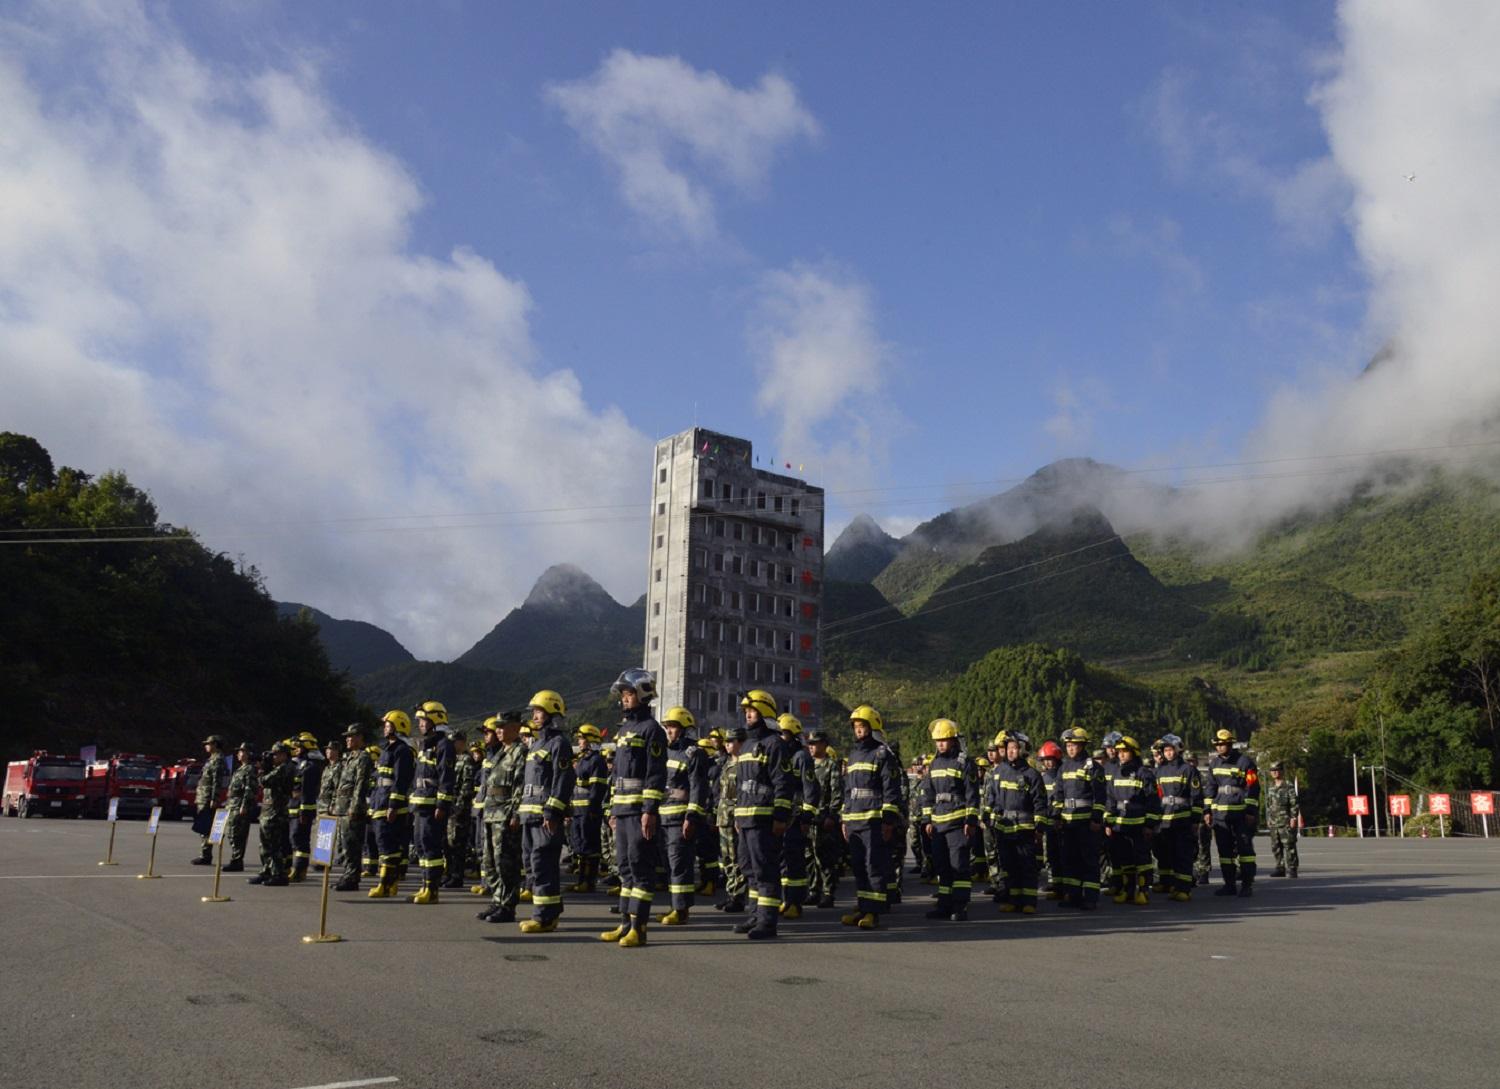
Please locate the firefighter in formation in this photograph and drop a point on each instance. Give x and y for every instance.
(758, 818)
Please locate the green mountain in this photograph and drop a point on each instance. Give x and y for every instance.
(567, 621)
(354, 646)
(861, 552)
(143, 645)
(1073, 584)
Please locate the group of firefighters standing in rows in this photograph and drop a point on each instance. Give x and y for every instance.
(757, 815)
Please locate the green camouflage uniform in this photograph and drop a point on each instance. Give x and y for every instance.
(919, 859)
(1203, 860)
(328, 787)
(210, 782)
(275, 819)
(502, 801)
(351, 805)
(825, 847)
(735, 887)
(1281, 818)
(460, 818)
(239, 805)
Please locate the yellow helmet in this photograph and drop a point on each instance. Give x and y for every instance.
(435, 712)
(548, 701)
(528, 730)
(1000, 740)
(1076, 734)
(716, 733)
(762, 701)
(942, 729)
(981, 762)
(1129, 743)
(711, 743)
(833, 754)
(492, 724)
(926, 759)
(373, 750)
(865, 713)
(681, 716)
(1221, 736)
(789, 723)
(307, 738)
(399, 720)
(589, 732)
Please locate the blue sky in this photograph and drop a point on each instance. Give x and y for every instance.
(998, 177)
(355, 289)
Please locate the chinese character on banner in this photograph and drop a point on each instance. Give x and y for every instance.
(1359, 805)
(808, 608)
(804, 708)
(807, 642)
(806, 542)
(807, 578)
(1440, 803)
(805, 674)
(1483, 802)
(1400, 805)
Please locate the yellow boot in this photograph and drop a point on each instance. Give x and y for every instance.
(673, 918)
(869, 921)
(525, 896)
(1182, 897)
(532, 926)
(852, 919)
(791, 911)
(425, 895)
(477, 890)
(1008, 908)
(386, 886)
(1118, 897)
(616, 934)
(1028, 910)
(1140, 899)
(634, 938)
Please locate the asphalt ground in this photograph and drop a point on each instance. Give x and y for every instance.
(1377, 967)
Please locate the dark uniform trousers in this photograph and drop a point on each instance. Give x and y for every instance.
(760, 862)
(1018, 859)
(681, 857)
(950, 852)
(390, 840)
(505, 872)
(1178, 844)
(239, 836)
(870, 857)
(706, 847)
(584, 835)
(352, 835)
(1080, 861)
(1234, 833)
(429, 835)
(635, 856)
(1130, 855)
(543, 853)
(794, 864)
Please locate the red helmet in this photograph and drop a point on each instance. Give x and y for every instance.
(1050, 750)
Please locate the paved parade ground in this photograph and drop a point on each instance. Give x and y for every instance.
(1377, 967)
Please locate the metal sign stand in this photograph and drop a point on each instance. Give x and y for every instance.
(154, 828)
(323, 852)
(221, 822)
(114, 820)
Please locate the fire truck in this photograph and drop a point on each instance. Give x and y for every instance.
(45, 783)
(179, 790)
(134, 778)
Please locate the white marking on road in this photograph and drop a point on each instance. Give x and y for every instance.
(1218, 956)
(351, 1084)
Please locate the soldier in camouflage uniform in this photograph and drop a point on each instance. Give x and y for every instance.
(240, 804)
(736, 889)
(895, 866)
(502, 823)
(609, 866)
(826, 845)
(1281, 818)
(210, 782)
(328, 788)
(1203, 859)
(354, 774)
(921, 861)
(276, 784)
(483, 848)
(459, 817)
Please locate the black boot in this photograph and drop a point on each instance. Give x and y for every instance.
(258, 879)
(202, 860)
(748, 923)
(826, 900)
(1226, 889)
(234, 866)
(1245, 889)
(347, 884)
(941, 911)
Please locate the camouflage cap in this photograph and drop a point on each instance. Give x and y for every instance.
(818, 734)
(735, 733)
(246, 746)
(214, 739)
(281, 746)
(354, 728)
(1278, 766)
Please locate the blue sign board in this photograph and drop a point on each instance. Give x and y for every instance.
(155, 821)
(114, 809)
(221, 821)
(322, 848)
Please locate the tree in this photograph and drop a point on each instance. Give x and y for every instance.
(24, 462)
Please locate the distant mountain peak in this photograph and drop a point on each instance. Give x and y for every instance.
(564, 586)
(861, 552)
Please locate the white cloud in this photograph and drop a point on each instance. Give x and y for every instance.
(206, 279)
(823, 369)
(1160, 241)
(671, 131)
